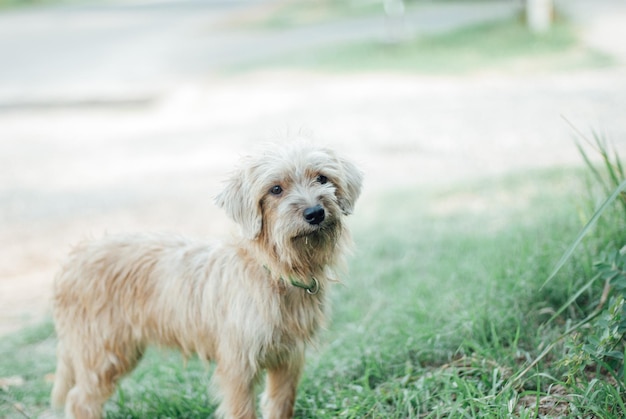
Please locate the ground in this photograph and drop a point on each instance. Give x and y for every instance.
(154, 162)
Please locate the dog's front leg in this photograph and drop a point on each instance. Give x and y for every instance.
(280, 392)
(236, 387)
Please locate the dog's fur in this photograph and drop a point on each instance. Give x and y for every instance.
(241, 304)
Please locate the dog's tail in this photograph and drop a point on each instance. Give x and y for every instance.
(64, 378)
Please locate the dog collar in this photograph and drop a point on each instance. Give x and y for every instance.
(312, 289)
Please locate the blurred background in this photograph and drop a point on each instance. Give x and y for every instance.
(119, 116)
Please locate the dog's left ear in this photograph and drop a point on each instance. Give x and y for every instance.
(349, 187)
(239, 202)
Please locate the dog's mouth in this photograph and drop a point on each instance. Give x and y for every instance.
(306, 235)
(314, 234)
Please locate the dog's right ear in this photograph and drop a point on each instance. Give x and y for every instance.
(240, 203)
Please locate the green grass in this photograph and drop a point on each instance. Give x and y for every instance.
(28, 355)
(498, 46)
(442, 308)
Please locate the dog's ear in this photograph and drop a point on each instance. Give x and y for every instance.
(240, 203)
(350, 186)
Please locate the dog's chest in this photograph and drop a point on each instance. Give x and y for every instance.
(303, 314)
(297, 321)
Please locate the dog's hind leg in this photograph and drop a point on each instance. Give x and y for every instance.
(64, 378)
(97, 374)
(82, 404)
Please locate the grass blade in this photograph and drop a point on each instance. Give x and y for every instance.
(606, 158)
(593, 168)
(573, 298)
(568, 253)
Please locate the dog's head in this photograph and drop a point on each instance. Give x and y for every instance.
(290, 193)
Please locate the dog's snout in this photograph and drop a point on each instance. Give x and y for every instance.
(314, 215)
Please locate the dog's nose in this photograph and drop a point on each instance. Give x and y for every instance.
(314, 215)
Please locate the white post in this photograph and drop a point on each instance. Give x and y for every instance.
(396, 29)
(539, 15)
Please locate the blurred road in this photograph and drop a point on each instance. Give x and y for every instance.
(127, 51)
(114, 119)
(92, 52)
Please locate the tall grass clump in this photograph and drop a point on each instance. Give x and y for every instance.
(596, 345)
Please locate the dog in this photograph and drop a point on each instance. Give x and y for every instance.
(251, 304)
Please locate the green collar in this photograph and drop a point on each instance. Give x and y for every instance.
(312, 289)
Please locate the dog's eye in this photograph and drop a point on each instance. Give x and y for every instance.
(322, 179)
(276, 190)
